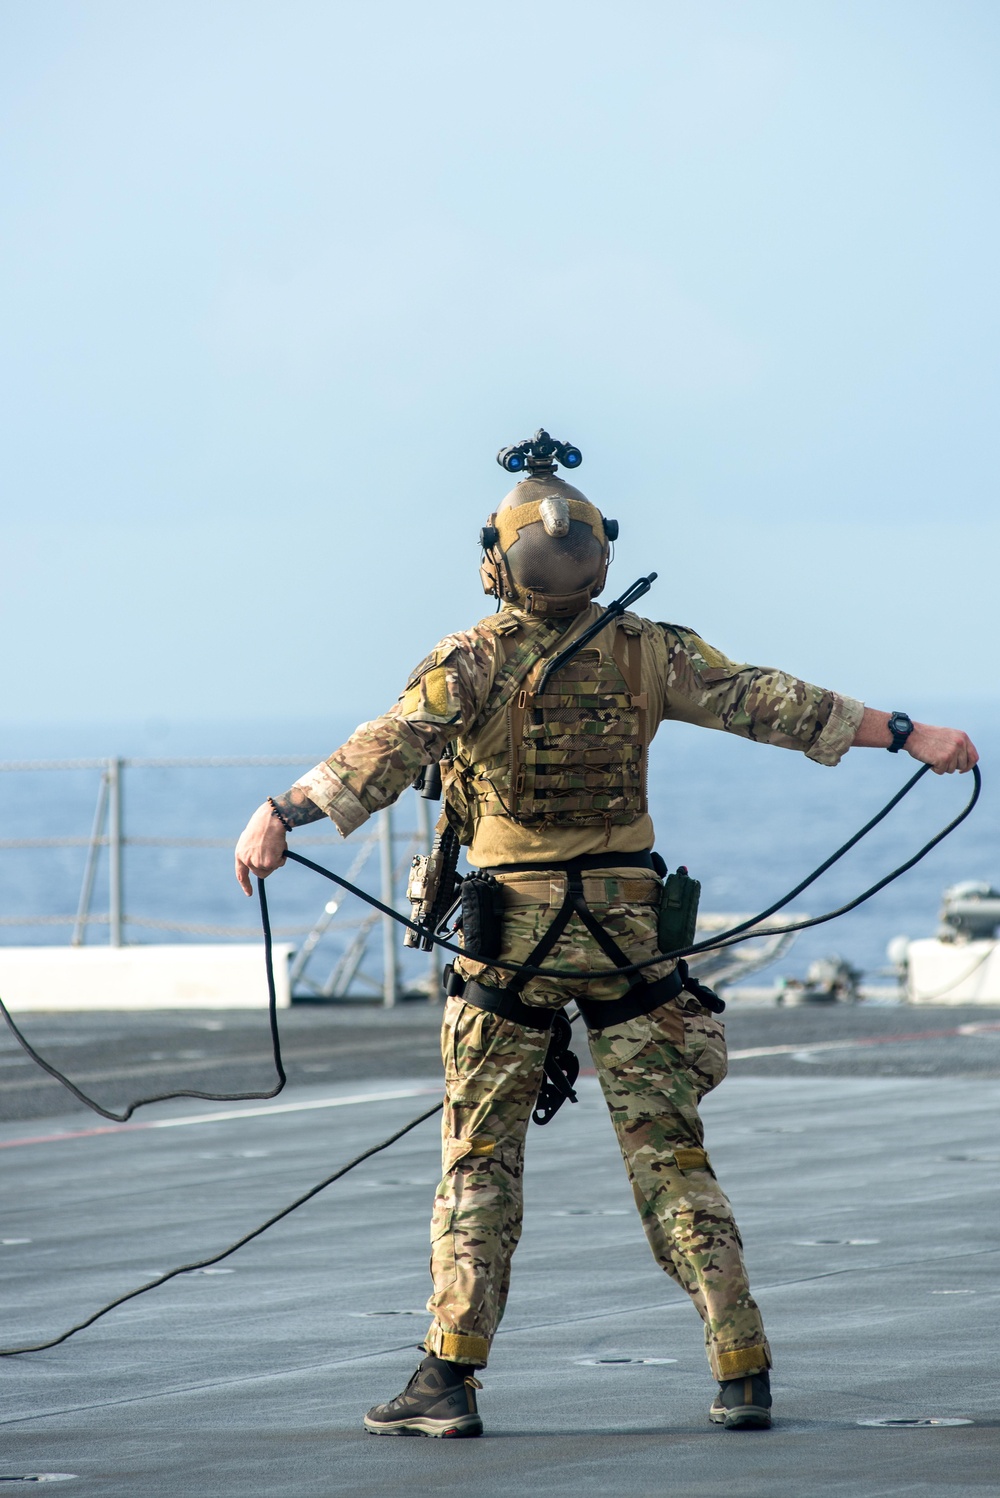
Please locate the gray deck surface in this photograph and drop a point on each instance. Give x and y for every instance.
(865, 1181)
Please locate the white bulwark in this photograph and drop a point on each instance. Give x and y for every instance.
(179, 976)
(949, 972)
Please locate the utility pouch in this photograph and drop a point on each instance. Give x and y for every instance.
(678, 911)
(482, 916)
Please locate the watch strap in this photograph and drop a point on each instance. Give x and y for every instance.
(900, 726)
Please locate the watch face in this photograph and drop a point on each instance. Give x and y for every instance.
(900, 723)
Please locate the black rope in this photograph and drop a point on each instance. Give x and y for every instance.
(720, 941)
(13, 1352)
(165, 1097)
(722, 938)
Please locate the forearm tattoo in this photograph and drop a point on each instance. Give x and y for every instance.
(296, 808)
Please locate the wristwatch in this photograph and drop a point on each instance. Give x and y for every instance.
(900, 726)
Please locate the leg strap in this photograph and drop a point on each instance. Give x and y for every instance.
(641, 998)
(503, 1001)
(561, 1066)
(597, 1014)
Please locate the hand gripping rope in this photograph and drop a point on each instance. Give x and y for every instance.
(735, 933)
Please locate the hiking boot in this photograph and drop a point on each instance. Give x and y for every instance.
(439, 1400)
(743, 1403)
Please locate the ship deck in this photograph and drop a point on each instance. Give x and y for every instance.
(859, 1146)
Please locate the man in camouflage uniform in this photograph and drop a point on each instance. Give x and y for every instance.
(545, 786)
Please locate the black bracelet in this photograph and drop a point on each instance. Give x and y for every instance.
(279, 814)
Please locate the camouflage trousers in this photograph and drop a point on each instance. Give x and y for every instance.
(653, 1070)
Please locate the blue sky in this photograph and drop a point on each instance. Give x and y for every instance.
(279, 279)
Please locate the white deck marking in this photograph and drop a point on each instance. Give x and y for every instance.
(982, 1027)
(979, 1027)
(225, 1117)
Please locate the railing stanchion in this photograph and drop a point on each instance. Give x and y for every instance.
(108, 831)
(90, 870)
(115, 840)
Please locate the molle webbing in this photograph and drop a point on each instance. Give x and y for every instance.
(520, 661)
(576, 753)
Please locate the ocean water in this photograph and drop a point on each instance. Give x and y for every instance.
(749, 820)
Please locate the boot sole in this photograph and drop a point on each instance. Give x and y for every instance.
(465, 1426)
(743, 1417)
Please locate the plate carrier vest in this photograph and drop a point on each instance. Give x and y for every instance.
(575, 755)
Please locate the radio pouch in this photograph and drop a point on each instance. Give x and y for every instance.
(482, 916)
(678, 911)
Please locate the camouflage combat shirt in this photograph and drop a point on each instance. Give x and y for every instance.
(442, 709)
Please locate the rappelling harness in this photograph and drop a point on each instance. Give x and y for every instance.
(574, 755)
(561, 1066)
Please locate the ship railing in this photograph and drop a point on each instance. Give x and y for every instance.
(728, 965)
(108, 836)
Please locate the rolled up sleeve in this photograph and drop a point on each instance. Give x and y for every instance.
(326, 790)
(837, 734)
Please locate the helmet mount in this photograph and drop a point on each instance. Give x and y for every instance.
(540, 454)
(546, 548)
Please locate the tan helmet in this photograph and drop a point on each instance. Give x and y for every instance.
(546, 548)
